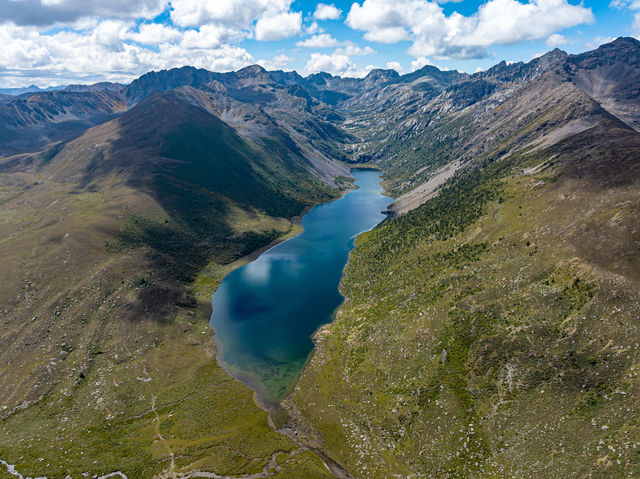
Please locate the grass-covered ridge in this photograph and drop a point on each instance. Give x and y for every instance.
(206, 170)
(481, 336)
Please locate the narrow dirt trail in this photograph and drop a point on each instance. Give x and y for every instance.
(171, 473)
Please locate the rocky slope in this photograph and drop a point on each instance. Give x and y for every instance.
(34, 120)
(413, 135)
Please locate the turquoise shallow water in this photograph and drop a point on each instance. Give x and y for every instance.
(265, 313)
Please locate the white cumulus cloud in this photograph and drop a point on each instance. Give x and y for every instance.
(103, 53)
(323, 40)
(336, 64)
(556, 40)
(394, 66)
(351, 49)
(49, 12)
(238, 13)
(433, 33)
(209, 36)
(154, 33)
(279, 62)
(420, 62)
(273, 19)
(278, 26)
(633, 6)
(63, 41)
(327, 12)
(313, 29)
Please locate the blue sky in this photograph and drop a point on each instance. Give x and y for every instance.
(49, 42)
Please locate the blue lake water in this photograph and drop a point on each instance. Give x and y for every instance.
(265, 313)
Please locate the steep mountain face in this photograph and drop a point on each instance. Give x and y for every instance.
(415, 136)
(112, 243)
(492, 331)
(415, 126)
(610, 76)
(95, 87)
(501, 294)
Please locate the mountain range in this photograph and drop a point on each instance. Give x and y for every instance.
(502, 291)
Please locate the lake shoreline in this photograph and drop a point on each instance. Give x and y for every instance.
(279, 419)
(274, 410)
(296, 230)
(265, 315)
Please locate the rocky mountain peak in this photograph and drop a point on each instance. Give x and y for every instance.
(166, 80)
(625, 42)
(379, 76)
(622, 51)
(320, 78)
(554, 55)
(251, 70)
(379, 73)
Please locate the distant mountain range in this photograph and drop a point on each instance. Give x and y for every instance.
(29, 89)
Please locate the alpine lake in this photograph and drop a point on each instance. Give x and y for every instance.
(266, 312)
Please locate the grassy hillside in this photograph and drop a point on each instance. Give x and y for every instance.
(493, 331)
(199, 168)
(112, 247)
